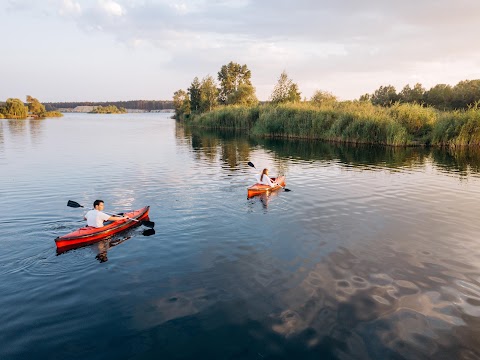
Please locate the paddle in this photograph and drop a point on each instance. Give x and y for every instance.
(74, 204)
(251, 165)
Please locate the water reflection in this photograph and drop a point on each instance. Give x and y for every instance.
(36, 129)
(263, 199)
(346, 305)
(2, 140)
(233, 148)
(17, 128)
(390, 305)
(103, 246)
(463, 160)
(22, 128)
(377, 258)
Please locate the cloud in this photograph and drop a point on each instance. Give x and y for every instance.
(372, 27)
(112, 8)
(321, 45)
(70, 7)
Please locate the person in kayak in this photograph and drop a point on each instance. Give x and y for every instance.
(96, 217)
(265, 180)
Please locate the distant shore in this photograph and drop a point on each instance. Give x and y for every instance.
(89, 109)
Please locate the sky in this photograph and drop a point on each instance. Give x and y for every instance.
(114, 50)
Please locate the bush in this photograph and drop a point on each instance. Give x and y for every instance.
(416, 119)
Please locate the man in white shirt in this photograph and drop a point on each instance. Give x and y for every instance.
(96, 217)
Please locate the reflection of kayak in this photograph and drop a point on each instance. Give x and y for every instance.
(258, 189)
(89, 234)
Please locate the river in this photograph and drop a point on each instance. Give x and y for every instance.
(374, 253)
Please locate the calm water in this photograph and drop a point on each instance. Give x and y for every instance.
(374, 254)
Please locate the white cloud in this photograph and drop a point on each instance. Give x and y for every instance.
(112, 8)
(342, 46)
(70, 7)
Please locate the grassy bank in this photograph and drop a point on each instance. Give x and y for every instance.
(352, 122)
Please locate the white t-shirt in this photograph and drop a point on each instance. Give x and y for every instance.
(265, 181)
(96, 218)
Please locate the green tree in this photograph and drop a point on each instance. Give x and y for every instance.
(235, 85)
(244, 95)
(465, 94)
(365, 98)
(285, 90)
(208, 94)
(181, 103)
(15, 109)
(385, 96)
(410, 95)
(439, 96)
(194, 92)
(294, 94)
(323, 97)
(109, 109)
(35, 107)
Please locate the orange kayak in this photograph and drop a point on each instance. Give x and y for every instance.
(89, 234)
(257, 189)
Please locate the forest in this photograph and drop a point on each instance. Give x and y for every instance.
(147, 105)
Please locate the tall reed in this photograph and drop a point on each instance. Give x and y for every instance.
(350, 121)
(458, 128)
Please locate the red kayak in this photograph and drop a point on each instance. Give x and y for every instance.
(258, 189)
(90, 234)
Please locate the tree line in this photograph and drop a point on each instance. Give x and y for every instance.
(232, 86)
(441, 96)
(110, 109)
(15, 108)
(146, 105)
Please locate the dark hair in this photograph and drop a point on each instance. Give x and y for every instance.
(97, 202)
(263, 173)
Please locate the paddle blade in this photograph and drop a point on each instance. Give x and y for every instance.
(251, 165)
(287, 190)
(149, 224)
(73, 204)
(148, 232)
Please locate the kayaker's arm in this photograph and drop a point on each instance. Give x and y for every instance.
(271, 182)
(117, 218)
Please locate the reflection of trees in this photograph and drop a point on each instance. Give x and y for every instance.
(35, 127)
(357, 155)
(462, 159)
(21, 128)
(231, 147)
(17, 127)
(181, 133)
(2, 140)
(234, 147)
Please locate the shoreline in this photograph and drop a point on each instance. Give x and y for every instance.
(350, 122)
